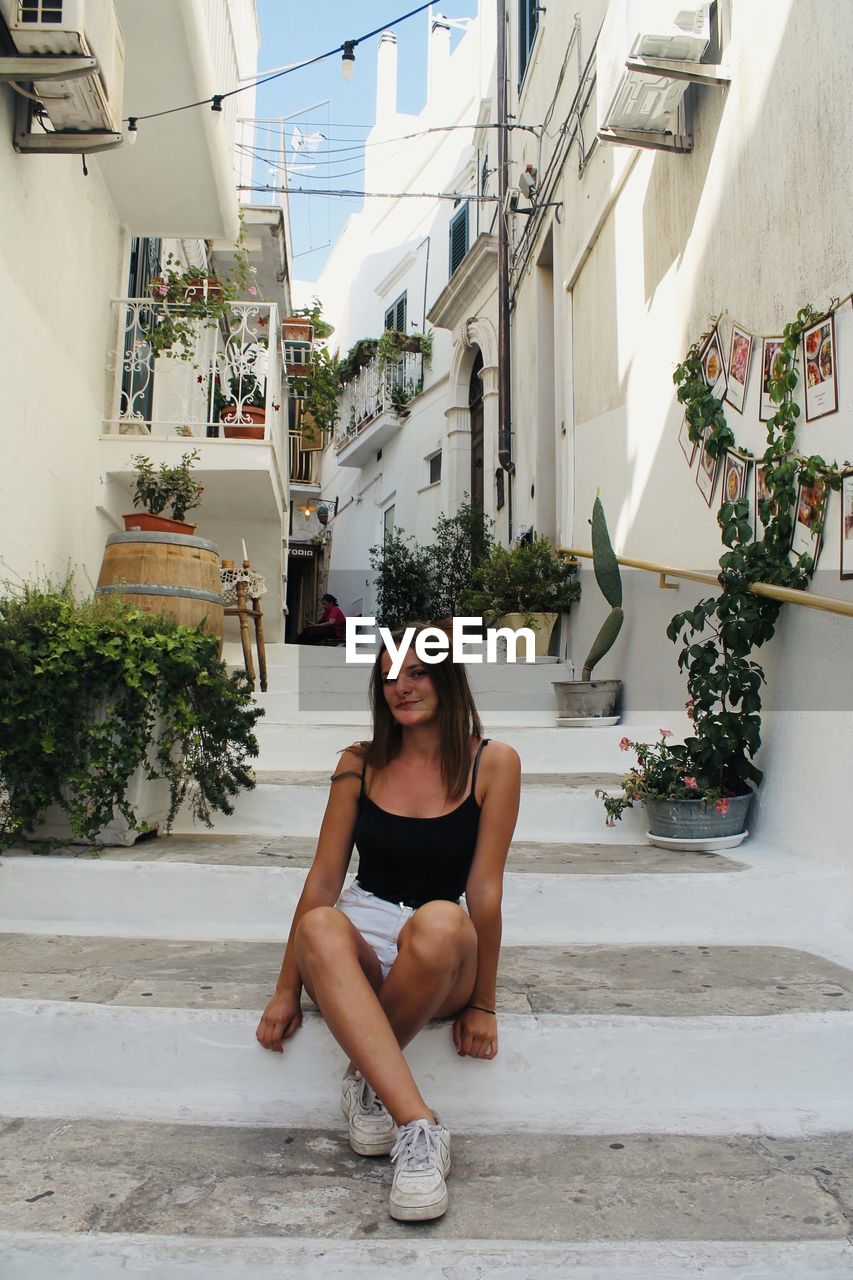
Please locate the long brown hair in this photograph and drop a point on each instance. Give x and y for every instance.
(458, 720)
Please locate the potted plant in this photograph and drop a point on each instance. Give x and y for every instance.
(685, 807)
(527, 585)
(191, 297)
(319, 391)
(155, 490)
(393, 344)
(112, 718)
(357, 358)
(585, 700)
(459, 544)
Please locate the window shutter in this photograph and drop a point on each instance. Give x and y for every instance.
(396, 317)
(458, 238)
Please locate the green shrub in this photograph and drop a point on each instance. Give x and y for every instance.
(92, 690)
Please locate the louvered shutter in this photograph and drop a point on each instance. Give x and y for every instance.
(458, 237)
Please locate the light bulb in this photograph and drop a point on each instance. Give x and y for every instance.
(348, 59)
(132, 130)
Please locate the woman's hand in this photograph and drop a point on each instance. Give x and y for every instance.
(281, 1019)
(475, 1034)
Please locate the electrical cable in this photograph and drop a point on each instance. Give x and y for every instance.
(366, 195)
(299, 66)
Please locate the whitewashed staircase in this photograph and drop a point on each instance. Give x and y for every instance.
(672, 1097)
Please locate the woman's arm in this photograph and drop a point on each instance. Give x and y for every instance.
(475, 1031)
(283, 1015)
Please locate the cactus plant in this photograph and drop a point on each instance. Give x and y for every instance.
(606, 568)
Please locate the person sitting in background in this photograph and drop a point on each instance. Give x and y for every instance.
(330, 627)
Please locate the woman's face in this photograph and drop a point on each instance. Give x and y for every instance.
(411, 698)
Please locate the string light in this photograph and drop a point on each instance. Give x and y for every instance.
(346, 49)
(132, 130)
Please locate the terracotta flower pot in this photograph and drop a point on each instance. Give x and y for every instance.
(149, 523)
(244, 423)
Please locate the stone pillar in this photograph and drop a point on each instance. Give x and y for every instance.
(458, 460)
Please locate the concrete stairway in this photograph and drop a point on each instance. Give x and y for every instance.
(671, 1098)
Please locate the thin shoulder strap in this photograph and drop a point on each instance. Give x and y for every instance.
(477, 764)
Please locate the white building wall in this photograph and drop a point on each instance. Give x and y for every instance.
(399, 245)
(752, 224)
(62, 257)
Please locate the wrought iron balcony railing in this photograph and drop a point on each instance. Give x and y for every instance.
(377, 389)
(181, 374)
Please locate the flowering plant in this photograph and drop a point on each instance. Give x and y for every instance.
(663, 771)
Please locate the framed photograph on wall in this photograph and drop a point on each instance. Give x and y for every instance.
(735, 474)
(760, 493)
(713, 366)
(847, 526)
(688, 446)
(808, 520)
(769, 351)
(819, 361)
(706, 473)
(740, 358)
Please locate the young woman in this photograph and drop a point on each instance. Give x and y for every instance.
(431, 806)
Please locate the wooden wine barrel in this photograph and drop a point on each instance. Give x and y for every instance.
(169, 573)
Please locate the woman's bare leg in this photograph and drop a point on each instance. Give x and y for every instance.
(335, 961)
(434, 972)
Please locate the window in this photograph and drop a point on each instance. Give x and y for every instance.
(528, 25)
(388, 523)
(435, 468)
(395, 316)
(458, 237)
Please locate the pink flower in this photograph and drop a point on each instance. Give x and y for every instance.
(624, 744)
(162, 289)
(252, 289)
(689, 707)
(666, 733)
(690, 782)
(722, 805)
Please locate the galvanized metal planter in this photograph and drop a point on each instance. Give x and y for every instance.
(587, 698)
(695, 820)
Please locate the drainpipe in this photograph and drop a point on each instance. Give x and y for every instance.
(504, 377)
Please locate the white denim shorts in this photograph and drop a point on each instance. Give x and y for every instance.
(379, 922)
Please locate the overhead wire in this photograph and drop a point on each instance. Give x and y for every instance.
(261, 80)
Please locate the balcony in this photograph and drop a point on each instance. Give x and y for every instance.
(216, 386)
(178, 179)
(304, 465)
(375, 404)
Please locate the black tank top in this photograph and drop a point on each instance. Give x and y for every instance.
(415, 860)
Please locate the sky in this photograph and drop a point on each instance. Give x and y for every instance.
(320, 102)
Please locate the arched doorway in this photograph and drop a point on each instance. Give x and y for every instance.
(475, 408)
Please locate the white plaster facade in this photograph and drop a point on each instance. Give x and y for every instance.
(609, 286)
(65, 245)
(401, 246)
(610, 289)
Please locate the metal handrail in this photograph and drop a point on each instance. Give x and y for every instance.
(787, 595)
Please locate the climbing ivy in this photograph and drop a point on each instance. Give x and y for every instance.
(719, 635)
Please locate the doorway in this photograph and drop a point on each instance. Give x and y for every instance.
(475, 407)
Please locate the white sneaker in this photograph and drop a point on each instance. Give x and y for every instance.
(371, 1128)
(421, 1158)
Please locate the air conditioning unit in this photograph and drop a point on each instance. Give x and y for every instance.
(75, 27)
(648, 29)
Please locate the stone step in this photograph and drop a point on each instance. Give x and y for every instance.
(785, 1074)
(649, 981)
(298, 851)
(543, 749)
(178, 1197)
(32, 1256)
(773, 899)
(293, 804)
